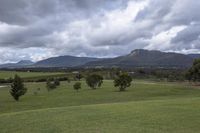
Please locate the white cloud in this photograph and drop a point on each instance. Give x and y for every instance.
(162, 41)
(34, 54)
(37, 30)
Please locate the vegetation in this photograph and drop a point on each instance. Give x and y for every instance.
(149, 107)
(123, 81)
(50, 85)
(194, 72)
(94, 81)
(79, 76)
(77, 86)
(161, 74)
(26, 74)
(154, 116)
(56, 82)
(17, 88)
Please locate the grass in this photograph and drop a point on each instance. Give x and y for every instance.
(11, 74)
(146, 107)
(154, 116)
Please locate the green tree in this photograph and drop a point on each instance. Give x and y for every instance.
(94, 81)
(77, 86)
(123, 81)
(79, 76)
(17, 88)
(193, 73)
(56, 82)
(50, 85)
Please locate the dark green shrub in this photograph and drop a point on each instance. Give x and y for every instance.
(17, 88)
(193, 73)
(50, 85)
(123, 81)
(77, 86)
(94, 81)
(56, 82)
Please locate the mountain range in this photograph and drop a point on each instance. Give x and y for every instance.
(146, 58)
(195, 56)
(64, 61)
(20, 64)
(137, 58)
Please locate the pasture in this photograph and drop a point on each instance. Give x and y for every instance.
(11, 74)
(145, 107)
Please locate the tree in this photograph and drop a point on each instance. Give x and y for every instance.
(123, 81)
(94, 81)
(193, 73)
(56, 82)
(79, 76)
(77, 86)
(17, 88)
(50, 85)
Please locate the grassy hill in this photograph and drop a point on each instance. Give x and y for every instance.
(145, 107)
(154, 116)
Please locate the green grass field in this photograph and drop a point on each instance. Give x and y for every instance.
(146, 107)
(11, 74)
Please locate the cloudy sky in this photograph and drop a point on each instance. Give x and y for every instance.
(38, 29)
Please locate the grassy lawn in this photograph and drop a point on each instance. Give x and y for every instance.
(154, 116)
(8, 74)
(144, 107)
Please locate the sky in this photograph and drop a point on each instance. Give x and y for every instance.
(39, 29)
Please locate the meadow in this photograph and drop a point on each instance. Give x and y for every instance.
(11, 74)
(145, 107)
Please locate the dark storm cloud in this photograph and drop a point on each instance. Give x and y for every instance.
(188, 35)
(184, 12)
(96, 27)
(155, 10)
(38, 19)
(188, 38)
(28, 11)
(11, 11)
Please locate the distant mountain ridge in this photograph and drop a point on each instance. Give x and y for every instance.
(146, 58)
(25, 62)
(22, 63)
(195, 56)
(64, 61)
(137, 58)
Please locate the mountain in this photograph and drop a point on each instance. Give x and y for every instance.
(195, 56)
(145, 58)
(25, 62)
(137, 58)
(20, 64)
(64, 61)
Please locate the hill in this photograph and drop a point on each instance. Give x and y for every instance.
(145, 58)
(195, 56)
(22, 63)
(137, 58)
(64, 61)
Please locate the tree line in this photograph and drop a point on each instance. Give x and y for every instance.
(94, 81)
